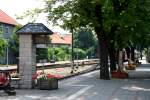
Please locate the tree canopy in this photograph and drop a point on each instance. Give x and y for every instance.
(84, 39)
(117, 22)
(14, 43)
(3, 44)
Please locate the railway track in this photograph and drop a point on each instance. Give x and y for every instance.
(60, 64)
(67, 64)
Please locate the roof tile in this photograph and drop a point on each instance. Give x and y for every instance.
(56, 38)
(34, 28)
(4, 18)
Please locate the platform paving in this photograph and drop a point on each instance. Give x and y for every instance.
(89, 87)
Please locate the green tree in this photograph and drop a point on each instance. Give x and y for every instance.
(142, 29)
(50, 54)
(118, 27)
(59, 53)
(3, 44)
(84, 39)
(14, 43)
(30, 15)
(115, 22)
(41, 53)
(82, 13)
(105, 17)
(91, 52)
(79, 53)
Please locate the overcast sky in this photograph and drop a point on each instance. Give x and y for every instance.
(18, 7)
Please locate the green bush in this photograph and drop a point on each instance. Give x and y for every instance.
(90, 52)
(59, 53)
(79, 53)
(42, 53)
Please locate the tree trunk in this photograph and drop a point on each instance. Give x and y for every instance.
(112, 58)
(128, 51)
(120, 73)
(132, 54)
(104, 69)
(120, 61)
(111, 49)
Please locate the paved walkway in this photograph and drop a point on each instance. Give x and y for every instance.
(90, 87)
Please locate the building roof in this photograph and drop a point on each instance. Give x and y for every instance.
(4, 18)
(68, 38)
(56, 38)
(35, 29)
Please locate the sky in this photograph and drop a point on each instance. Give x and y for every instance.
(18, 7)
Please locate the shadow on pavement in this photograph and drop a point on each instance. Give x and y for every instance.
(141, 72)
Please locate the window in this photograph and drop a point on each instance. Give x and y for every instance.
(6, 30)
(1, 29)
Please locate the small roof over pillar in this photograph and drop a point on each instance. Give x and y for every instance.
(35, 29)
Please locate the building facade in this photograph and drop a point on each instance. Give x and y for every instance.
(7, 25)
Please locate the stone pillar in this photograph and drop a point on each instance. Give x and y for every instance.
(27, 60)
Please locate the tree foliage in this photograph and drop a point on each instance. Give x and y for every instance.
(117, 22)
(142, 26)
(3, 44)
(14, 43)
(79, 53)
(84, 39)
(30, 15)
(59, 53)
